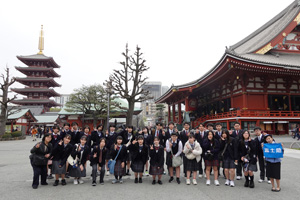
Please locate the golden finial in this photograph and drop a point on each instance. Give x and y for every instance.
(41, 41)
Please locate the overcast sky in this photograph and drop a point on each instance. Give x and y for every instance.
(181, 40)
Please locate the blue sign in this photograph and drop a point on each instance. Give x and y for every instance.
(273, 150)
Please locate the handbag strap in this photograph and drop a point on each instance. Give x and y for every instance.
(118, 153)
(224, 149)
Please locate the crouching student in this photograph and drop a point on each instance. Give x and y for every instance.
(192, 151)
(139, 155)
(60, 155)
(80, 153)
(273, 167)
(156, 161)
(119, 153)
(98, 155)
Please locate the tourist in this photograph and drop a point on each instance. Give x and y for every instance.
(156, 161)
(174, 150)
(33, 133)
(118, 151)
(98, 155)
(192, 151)
(211, 147)
(60, 155)
(40, 154)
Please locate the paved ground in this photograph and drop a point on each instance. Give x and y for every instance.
(16, 178)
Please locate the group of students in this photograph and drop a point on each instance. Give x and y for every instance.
(66, 153)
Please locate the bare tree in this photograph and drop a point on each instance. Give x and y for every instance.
(5, 109)
(128, 81)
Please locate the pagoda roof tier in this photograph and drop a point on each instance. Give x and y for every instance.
(40, 58)
(28, 80)
(49, 72)
(46, 91)
(45, 102)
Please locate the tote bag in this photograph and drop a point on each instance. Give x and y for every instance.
(111, 163)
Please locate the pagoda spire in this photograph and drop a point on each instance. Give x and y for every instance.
(41, 41)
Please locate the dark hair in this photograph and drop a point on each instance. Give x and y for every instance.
(112, 126)
(46, 135)
(213, 137)
(171, 123)
(245, 132)
(236, 123)
(83, 137)
(186, 123)
(102, 139)
(210, 124)
(218, 124)
(201, 125)
(119, 138)
(55, 127)
(67, 124)
(158, 124)
(68, 136)
(130, 126)
(156, 138)
(257, 128)
(87, 127)
(100, 125)
(140, 137)
(227, 135)
(147, 129)
(74, 123)
(191, 136)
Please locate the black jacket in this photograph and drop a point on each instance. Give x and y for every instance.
(124, 135)
(96, 150)
(231, 149)
(136, 155)
(183, 136)
(95, 138)
(214, 149)
(62, 153)
(237, 134)
(259, 149)
(88, 138)
(157, 158)
(111, 139)
(42, 150)
(81, 157)
(122, 155)
(56, 141)
(250, 151)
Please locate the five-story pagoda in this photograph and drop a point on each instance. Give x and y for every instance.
(39, 82)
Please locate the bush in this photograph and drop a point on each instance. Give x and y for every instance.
(6, 135)
(16, 134)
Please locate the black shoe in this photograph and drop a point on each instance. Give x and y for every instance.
(159, 182)
(140, 180)
(94, 183)
(67, 175)
(128, 174)
(171, 179)
(34, 186)
(136, 180)
(44, 183)
(50, 176)
(178, 180)
(251, 184)
(56, 183)
(246, 183)
(63, 182)
(153, 182)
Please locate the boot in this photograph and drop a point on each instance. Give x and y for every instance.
(246, 181)
(251, 181)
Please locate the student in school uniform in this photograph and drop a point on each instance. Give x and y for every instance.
(211, 148)
(273, 166)
(200, 134)
(66, 130)
(120, 167)
(148, 140)
(174, 148)
(56, 137)
(192, 151)
(128, 137)
(156, 161)
(139, 153)
(97, 135)
(43, 151)
(237, 133)
(86, 133)
(229, 151)
(98, 155)
(247, 149)
(110, 136)
(184, 137)
(75, 134)
(60, 155)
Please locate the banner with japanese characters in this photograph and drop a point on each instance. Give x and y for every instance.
(273, 150)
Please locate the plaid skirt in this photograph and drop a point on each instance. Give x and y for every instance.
(214, 163)
(76, 172)
(192, 165)
(137, 166)
(155, 171)
(128, 156)
(119, 171)
(56, 169)
(228, 164)
(250, 167)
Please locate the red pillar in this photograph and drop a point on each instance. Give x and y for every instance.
(169, 113)
(173, 112)
(179, 113)
(245, 105)
(11, 126)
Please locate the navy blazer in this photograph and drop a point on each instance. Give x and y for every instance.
(82, 157)
(214, 149)
(96, 150)
(95, 138)
(62, 153)
(157, 158)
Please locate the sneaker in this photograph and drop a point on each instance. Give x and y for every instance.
(232, 184)
(80, 181)
(114, 181)
(200, 176)
(50, 176)
(75, 182)
(63, 182)
(207, 182)
(153, 182)
(238, 178)
(140, 180)
(188, 181)
(121, 181)
(94, 183)
(159, 182)
(194, 182)
(146, 173)
(227, 182)
(217, 183)
(165, 173)
(107, 173)
(269, 182)
(56, 183)
(260, 180)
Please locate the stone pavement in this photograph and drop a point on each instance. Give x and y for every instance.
(16, 179)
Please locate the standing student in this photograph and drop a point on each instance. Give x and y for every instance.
(60, 155)
(174, 149)
(97, 135)
(110, 136)
(56, 137)
(156, 161)
(139, 153)
(218, 131)
(98, 155)
(273, 167)
(192, 151)
(237, 133)
(40, 154)
(247, 149)
(211, 148)
(75, 134)
(200, 134)
(229, 151)
(184, 137)
(148, 140)
(120, 167)
(260, 154)
(86, 133)
(66, 130)
(80, 153)
(128, 137)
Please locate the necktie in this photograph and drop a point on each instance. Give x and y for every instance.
(156, 134)
(100, 157)
(55, 137)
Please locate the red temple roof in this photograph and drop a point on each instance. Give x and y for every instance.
(49, 72)
(32, 59)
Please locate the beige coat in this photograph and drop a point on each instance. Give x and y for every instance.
(197, 150)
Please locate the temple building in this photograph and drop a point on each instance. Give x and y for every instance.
(39, 81)
(256, 82)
